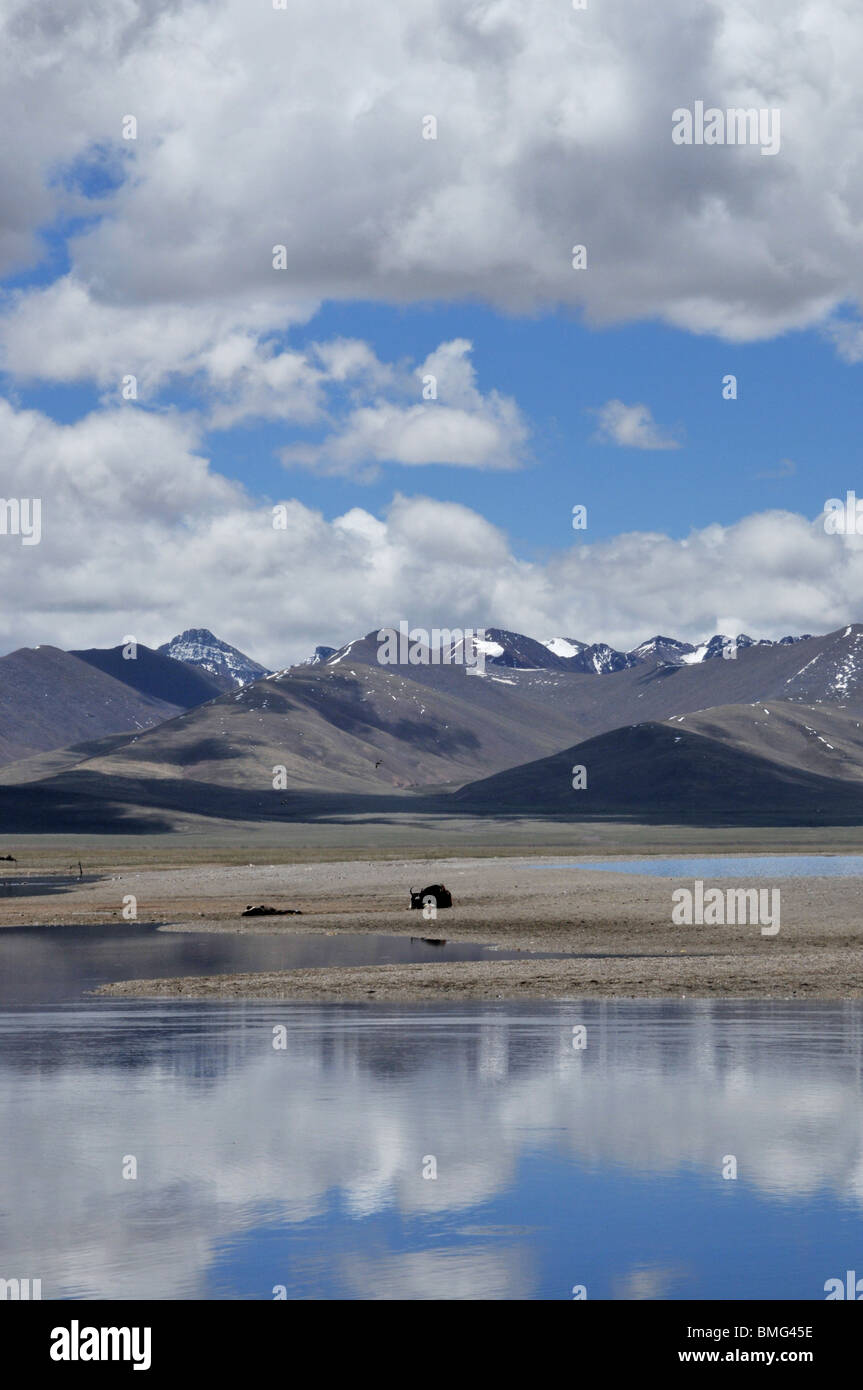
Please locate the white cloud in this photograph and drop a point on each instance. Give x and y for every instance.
(141, 537)
(60, 333)
(458, 425)
(303, 127)
(64, 332)
(414, 434)
(632, 427)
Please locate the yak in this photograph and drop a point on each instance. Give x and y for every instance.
(436, 895)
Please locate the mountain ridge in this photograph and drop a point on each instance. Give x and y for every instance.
(515, 650)
(152, 673)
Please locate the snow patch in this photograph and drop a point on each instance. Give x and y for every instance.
(558, 646)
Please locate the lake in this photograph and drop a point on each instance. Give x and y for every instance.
(728, 866)
(52, 965)
(426, 1152)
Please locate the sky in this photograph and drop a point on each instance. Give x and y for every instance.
(319, 259)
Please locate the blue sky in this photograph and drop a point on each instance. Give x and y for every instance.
(785, 441)
(796, 401)
(257, 385)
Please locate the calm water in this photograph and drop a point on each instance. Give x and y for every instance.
(302, 1167)
(730, 866)
(52, 965)
(39, 885)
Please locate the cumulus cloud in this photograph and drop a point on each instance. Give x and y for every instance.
(411, 435)
(141, 537)
(454, 423)
(303, 128)
(62, 332)
(632, 427)
(377, 410)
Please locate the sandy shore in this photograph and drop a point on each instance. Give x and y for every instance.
(808, 975)
(524, 903)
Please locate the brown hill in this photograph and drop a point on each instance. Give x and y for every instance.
(777, 763)
(50, 699)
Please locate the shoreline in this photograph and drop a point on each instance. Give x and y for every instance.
(726, 977)
(531, 903)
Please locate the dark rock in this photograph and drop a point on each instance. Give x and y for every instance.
(263, 911)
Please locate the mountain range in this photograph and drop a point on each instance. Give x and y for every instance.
(672, 731)
(503, 648)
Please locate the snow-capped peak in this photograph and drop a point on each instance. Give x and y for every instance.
(662, 649)
(197, 646)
